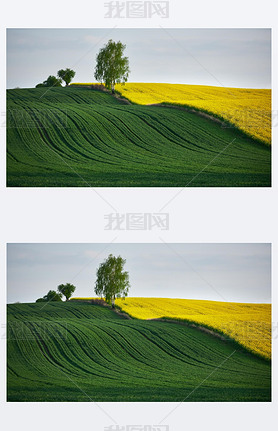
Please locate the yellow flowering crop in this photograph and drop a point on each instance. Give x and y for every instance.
(247, 109)
(248, 324)
(82, 299)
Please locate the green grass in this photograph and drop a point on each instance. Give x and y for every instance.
(82, 352)
(79, 137)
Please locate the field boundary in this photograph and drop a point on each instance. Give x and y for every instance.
(225, 124)
(187, 108)
(184, 106)
(210, 330)
(213, 332)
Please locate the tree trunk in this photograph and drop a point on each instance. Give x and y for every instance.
(113, 88)
(113, 302)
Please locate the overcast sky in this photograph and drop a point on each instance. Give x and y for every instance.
(221, 272)
(227, 57)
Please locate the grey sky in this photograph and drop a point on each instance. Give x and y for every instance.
(231, 272)
(228, 57)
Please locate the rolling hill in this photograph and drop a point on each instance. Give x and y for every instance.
(246, 108)
(248, 324)
(77, 351)
(72, 137)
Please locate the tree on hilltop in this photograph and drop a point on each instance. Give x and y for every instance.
(50, 296)
(66, 290)
(112, 282)
(112, 67)
(51, 81)
(66, 75)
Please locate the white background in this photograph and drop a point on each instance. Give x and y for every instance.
(77, 215)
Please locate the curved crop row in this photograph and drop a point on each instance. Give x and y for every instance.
(79, 352)
(247, 109)
(248, 324)
(82, 137)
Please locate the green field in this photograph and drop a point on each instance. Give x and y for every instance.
(82, 137)
(83, 352)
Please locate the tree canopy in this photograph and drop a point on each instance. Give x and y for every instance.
(66, 290)
(51, 81)
(112, 281)
(66, 75)
(50, 296)
(112, 67)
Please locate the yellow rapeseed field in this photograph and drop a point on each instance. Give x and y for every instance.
(247, 109)
(248, 324)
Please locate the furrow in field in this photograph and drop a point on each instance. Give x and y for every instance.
(112, 358)
(105, 141)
